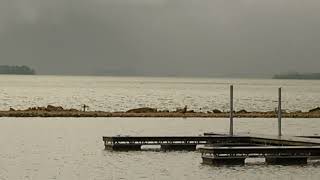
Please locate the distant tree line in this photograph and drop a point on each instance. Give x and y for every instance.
(297, 76)
(5, 69)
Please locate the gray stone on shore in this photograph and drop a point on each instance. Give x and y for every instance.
(216, 111)
(143, 110)
(242, 111)
(317, 109)
(54, 108)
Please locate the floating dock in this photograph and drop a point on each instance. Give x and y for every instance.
(284, 155)
(270, 140)
(222, 149)
(127, 143)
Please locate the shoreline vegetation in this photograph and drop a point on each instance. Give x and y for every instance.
(58, 111)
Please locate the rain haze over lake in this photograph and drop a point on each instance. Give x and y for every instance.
(244, 38)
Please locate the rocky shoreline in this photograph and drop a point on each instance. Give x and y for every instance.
(58, 111)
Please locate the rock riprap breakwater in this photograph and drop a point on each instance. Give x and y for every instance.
(59, 111)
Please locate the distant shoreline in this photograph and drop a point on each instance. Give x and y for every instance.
(150, 112)
(310, 76)
(16, 70)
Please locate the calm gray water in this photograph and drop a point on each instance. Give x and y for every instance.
(123, 93)
(71, 148)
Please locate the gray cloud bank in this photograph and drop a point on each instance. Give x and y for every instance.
(161, 37)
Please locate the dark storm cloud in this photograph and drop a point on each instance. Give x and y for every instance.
(161, 37)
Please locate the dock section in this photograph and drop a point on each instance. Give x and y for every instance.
(270, 140)
(272, 154)
(127, 143)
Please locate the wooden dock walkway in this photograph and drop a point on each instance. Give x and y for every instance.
(284, 140)
(127, 143)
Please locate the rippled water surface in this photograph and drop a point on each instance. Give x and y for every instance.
(72, 148)
(123, 93)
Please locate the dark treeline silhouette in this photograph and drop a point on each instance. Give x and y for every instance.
(5, 69)
(297, 76)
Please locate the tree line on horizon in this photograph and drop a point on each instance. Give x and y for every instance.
(296, 75)
(23, 70)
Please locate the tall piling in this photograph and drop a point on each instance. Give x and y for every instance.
(231, 111)
(279, 112)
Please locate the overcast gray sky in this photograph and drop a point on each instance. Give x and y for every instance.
(161, 37)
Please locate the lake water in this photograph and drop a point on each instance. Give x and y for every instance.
(72, 148)
(123, 93)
